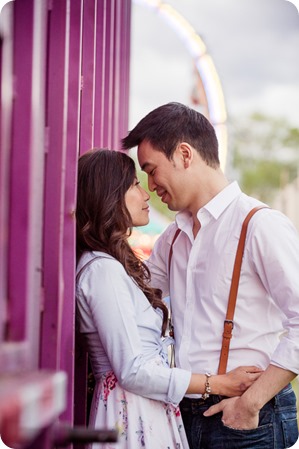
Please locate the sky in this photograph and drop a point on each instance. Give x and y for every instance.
(254, 45)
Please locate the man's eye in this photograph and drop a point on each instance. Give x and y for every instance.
(152, 172)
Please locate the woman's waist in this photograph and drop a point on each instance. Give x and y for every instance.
(102, 368)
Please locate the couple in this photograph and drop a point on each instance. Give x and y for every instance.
(123, 317)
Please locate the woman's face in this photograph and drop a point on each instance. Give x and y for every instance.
(136, 199)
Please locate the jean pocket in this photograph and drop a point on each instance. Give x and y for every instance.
(290, 431)
(262, 437)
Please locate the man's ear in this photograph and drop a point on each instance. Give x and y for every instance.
(186, 152)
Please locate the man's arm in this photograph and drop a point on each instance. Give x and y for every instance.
(243, 412)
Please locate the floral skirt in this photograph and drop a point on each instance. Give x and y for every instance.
(140, 422)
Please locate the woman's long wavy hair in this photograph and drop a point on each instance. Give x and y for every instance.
(103, 220)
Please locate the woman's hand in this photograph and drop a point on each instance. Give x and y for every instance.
(235, 382)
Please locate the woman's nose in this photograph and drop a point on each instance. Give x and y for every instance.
(146, 195)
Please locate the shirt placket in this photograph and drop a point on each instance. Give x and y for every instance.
(191, 294)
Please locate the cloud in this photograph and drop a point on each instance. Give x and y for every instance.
(3, 3)
(254, 46)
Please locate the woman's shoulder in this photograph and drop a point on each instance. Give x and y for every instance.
(99, 263)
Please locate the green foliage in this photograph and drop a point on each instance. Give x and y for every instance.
(292, 138)
(265, 154)
(265, 177)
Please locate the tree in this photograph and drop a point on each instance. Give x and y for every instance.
(265, 154)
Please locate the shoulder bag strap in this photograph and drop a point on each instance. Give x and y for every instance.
(87, 264)
(228, 323)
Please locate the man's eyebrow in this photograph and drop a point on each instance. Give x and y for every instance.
(145, 166)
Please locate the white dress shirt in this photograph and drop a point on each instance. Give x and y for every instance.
(123, 331)
(200, 279)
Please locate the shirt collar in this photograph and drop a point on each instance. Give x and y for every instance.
(222, 200)
(214, 208)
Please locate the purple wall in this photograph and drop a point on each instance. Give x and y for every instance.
(64, 89)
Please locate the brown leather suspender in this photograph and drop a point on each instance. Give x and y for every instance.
(228, 322)
(232, 299)
(171, 249)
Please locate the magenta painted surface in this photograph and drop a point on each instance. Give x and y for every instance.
(20, 167)
(21, 198)
(72, 151)
(6, 55)
(112, 72)
(70, 74)
(54, 188)
(87, 76)
(108, 63)
(99, 93)
(124, 75)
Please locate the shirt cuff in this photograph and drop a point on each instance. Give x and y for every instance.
(286, 356)
(179, 382)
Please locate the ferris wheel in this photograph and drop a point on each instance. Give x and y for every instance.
(207, 91)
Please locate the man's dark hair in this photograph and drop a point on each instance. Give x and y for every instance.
(168, 125)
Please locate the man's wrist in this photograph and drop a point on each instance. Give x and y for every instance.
(251, 401)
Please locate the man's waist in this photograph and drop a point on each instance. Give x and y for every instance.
(196, 405)
(209, 361)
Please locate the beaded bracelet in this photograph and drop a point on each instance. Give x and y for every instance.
(208, 390)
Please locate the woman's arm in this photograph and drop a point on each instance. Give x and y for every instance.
(112, 304)
(234, 383)
(108, 301)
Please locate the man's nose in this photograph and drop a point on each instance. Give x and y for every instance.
(151, 184)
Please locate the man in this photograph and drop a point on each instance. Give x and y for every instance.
(178, 149)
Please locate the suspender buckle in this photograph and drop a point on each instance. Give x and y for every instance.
(229, 322)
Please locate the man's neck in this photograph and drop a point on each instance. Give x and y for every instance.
(206, 193)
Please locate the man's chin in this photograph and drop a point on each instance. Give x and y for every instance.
(172, 208)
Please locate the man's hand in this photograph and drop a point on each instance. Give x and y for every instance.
(236, 413)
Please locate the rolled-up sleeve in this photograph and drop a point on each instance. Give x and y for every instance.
(275, 255)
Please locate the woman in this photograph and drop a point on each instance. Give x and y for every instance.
(124, 319)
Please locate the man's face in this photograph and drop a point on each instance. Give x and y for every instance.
(164, 176)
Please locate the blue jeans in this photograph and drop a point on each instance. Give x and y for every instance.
(278, 427)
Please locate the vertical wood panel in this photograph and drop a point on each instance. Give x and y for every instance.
(6, 78)
(36, 181)
(20, 171)
(26, 177)
(72, 151)
(108, 62)
(112, 72)
(99, 96)
(125, 52)
(87, 77)
(116, 75)
(54, 187)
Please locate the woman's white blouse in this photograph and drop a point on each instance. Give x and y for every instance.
(124, 331)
